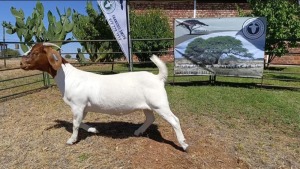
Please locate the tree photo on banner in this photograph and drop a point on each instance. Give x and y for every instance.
(220, 46)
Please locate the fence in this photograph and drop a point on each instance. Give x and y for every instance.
(15, 82)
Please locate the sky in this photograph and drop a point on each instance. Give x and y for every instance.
(28, 6)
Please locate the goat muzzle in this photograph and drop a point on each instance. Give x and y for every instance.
(24, 63)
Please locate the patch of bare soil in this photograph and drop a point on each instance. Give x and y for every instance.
(34, 130)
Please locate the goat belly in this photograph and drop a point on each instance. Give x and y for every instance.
(114, 109)
(116, 102)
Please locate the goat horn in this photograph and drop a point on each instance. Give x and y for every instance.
(26, 53)
(50, 44)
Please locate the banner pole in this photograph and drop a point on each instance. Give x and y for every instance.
(129, 38)
(195, 8)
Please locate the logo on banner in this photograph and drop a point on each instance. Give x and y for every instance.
(253, 28)
(109, 6)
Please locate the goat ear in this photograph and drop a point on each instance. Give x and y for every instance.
(54, 58)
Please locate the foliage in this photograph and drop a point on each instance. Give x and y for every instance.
(283, 27)
(34, 29)
(68, 56)
(80, 57)
(10, 52)
(151, 24)
(211, 50)
(94, 27)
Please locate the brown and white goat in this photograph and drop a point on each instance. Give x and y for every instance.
(111, 94)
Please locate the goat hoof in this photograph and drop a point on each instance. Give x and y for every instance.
(187, 149)
(137, 133)
(71, 141)
(93, 130)
(185, 146)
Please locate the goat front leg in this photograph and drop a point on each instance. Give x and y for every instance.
(78, 115)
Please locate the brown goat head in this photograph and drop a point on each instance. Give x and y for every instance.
(43, 58)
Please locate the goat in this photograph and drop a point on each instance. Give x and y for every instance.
(111, 94)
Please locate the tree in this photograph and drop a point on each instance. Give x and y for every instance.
(33, 30)
(151, 24)
(94, 27)
(211, 50)
(283, 26)
(68, 56)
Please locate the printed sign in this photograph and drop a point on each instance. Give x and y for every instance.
(116, 16)
(220, 46)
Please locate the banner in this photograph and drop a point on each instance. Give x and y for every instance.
(116, 16)
(220, 46)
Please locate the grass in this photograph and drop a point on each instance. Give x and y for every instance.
(256, 106)
(83, 157)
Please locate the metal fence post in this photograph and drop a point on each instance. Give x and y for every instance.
(4, 49)
(46, 79)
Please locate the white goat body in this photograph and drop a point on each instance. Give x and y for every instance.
(111, 94)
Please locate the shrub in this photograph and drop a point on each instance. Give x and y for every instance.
(67, 56)
(151, 24)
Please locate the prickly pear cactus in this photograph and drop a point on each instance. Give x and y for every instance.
(80, 57)
(33, 29)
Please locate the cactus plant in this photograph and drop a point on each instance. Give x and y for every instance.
(33, 30)
(80, 57)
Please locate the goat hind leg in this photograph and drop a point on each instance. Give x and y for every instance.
(167, 114)
(87, 127)
(149, 120)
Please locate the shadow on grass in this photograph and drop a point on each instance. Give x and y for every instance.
(275, 68)
(116, 130)
(146, 64)
(234, 84)
(285, 78)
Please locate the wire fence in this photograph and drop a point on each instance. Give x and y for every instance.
(15, 82)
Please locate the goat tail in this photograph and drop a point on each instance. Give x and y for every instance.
(163, 70)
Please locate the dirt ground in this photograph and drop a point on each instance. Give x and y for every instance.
(34, 130)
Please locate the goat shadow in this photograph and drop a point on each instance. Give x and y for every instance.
(116, 130)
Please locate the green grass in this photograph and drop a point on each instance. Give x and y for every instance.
(279, 108)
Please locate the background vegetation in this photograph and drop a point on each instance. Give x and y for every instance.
(151, 24)
(283, 28)
(10, 53)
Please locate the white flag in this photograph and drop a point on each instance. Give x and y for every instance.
(116, 16)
